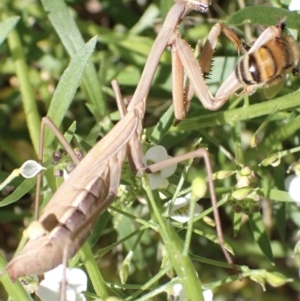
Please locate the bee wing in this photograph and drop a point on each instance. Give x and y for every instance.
(272, 88)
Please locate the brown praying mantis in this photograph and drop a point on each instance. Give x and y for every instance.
(93, 184)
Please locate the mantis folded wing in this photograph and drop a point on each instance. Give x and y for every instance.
(75, 201)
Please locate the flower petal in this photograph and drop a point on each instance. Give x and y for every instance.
(80, 297)
(177, 292)
(71, 294)
(56, 274)
(51, 285)
(287, 181)
(156, 153)
(294, 189)
(155, 181)
(294, 5)
(47, 294)
(168, 171)
(65, 174)
(181, 209)
(181, 202)
(78, 280)
(208, 295)
(182, 216)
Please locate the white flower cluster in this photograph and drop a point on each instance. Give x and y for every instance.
(49, 288)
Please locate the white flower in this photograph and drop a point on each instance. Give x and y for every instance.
(157, 154)
(208, 295)
(181, 208)
(49, 288)
(178, 293)
(294, 5)
(292, 185)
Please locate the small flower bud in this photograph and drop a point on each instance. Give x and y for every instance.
(78, 153)
(271, 160)
(294, 167)
(57, 155)
(58, 173)
(124, 271)
(243, 181)
(223, 174)
(246, 171)
(242, 193)
(199, 188)
(276, 279)
(70, 167)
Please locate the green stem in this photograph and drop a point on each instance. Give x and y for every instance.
(93, 271)
(149, 284)
(230, 116)
(189, 232)
(181, 263)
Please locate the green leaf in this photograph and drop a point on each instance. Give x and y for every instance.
(213, 238)
(68, 86)
(163, 126)
(270, 143)
(280, 212)
(276, 195)
(6, 26)
(70, 36)
(21, 190)
(277, 279)
(260, 235)
(237, 222)
(264, 15)
(165, 6)
(98, 228)
(119, 12)
(147, 19)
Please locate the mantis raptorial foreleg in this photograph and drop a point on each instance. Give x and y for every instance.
(183, 59)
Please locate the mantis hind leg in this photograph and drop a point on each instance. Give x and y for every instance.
(199, 153)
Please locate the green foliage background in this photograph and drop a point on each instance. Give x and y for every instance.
(41, 39)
